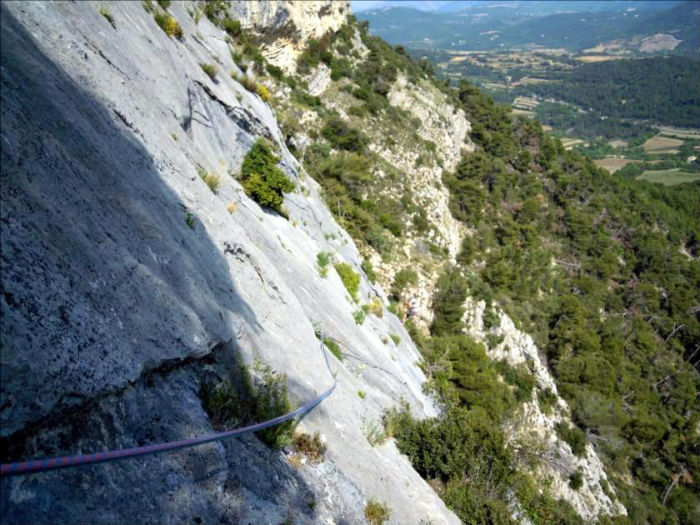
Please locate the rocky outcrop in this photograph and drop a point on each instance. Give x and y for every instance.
(532, 429)
(447, 128)
(286, 26)
(126, 283)
(319, 80)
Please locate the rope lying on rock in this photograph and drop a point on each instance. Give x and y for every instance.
(31, 467)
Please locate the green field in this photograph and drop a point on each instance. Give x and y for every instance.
(670, 177)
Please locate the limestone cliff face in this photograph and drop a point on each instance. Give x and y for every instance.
(126, 283)
(286, 26)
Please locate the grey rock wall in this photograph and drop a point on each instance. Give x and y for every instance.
(114, 310)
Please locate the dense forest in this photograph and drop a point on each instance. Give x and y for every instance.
(601, 270)
(659, 90)
(616, 315)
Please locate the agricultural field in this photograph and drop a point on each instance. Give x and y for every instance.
(679, 132)
(612, 164)
(588, 59)
(576, 96)
(660, 144)
(670, 177)
(569, 143)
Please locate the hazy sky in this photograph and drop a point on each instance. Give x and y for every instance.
(361, 5)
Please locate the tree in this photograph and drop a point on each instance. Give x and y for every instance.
(448, 304)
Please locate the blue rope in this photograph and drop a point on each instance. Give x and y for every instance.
(31, 467)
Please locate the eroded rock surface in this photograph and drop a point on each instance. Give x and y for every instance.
(126, 282)
(287, 26)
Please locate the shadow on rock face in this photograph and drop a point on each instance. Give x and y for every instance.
(111, 307)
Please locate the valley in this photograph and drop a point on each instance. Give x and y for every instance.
(627, 99)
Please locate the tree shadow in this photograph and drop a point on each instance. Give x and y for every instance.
(110, 305)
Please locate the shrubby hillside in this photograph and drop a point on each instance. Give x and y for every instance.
(601, 271)
(512, 328)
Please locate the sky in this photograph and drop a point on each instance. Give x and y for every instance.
(361, 5)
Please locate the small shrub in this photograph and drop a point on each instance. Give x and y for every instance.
(375, 308)
(359, 316)
(342, 136)
(402, 280)
(262, 180)
(108, 16)
(576, 480)
(393, 307)
(189, 220)
(210, 179)
(164, 3)
(358, 111)
(369, 270)
(547, 400)
(232, 27)
(253, 53)
(304, 98)
(215, 10)
(395, 419)
(351, 280)
(361, 394)
(311, 446)
(263, 92)
(333, 347)
(493, 340)
(275, 71)
(491, 319)
(246, 82)
(395, 338)
(518, 376)
(574, 436)
(195, 14)
(210, 69)
(251, 401)
(374, 433)
(376, 512)
(323, 260)
(168, 24)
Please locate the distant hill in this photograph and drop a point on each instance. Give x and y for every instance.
(487, 26)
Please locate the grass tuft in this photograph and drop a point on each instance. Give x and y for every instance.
(376, 512)
(211, 70)
(169, 25)
(108, 16)
(210, 179)
(310, 446)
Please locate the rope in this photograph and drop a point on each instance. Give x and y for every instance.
(31, 467)
(364, 361)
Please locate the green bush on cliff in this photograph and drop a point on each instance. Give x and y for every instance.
(262, 180)
(343, 136)
(351, 280)
(242, 400)
(403, 279)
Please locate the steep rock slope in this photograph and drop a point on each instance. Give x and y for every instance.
(126, 283)
(534, 430)
(286, 27)
(557, 244)
(412, 144)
